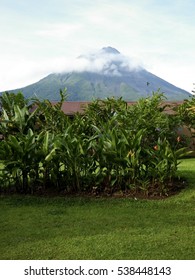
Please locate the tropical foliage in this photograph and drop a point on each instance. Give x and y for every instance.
(186, 112)
(111, 147)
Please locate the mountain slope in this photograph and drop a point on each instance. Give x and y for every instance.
(106, 73)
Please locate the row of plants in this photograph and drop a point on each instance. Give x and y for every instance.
(111, 147)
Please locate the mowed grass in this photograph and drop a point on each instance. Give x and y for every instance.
(97, 228)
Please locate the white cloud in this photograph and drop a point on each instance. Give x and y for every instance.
(17, 72)
(99, 61)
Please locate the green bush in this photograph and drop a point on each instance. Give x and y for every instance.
(110, 147)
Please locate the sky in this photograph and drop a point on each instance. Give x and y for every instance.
(39, 37)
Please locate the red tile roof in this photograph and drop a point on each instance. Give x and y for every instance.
(73, 107)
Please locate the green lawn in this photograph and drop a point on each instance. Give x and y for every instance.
(89, 228)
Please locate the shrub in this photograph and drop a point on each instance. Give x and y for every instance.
(111, 147)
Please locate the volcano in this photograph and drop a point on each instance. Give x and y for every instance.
(105, 73)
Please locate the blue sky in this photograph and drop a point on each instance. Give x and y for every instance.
(38, 37)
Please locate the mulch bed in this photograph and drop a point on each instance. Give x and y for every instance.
(153, 192)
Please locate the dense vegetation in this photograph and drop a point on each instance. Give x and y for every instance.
(111, 147)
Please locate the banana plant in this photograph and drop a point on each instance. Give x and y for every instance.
(50, 117)
(9, 100)
(19, 122)
(19, 157)
(45, 155)
(73, 151)
(135, 157)
(164, 161)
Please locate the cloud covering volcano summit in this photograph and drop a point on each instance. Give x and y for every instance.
(102, 74)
